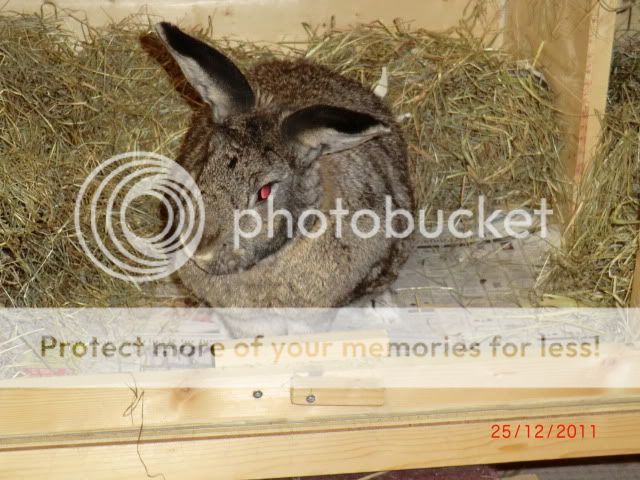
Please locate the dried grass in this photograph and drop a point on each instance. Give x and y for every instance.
(597, 261)
(65, 106)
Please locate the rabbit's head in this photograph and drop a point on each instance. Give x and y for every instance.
(245, 154)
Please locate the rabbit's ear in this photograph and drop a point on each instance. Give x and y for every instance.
(218, 81)
(322, 129)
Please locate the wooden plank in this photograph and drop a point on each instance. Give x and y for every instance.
(447, 441)
(111, 407)
(572, 41)
(596, 83)
(36, 417)
(325, 391)
(635, 288)
(272, 21)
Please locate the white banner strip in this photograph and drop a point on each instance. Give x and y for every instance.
(394, 348)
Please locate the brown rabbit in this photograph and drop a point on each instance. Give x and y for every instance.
(296, 136)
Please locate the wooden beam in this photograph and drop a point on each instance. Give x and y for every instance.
(572, 42)
(268, 21)
(435, 441)
(71, 410)
(57, 417)
(635, 287)
(110, 407)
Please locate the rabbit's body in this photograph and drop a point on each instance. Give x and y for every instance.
(313, 138)
(299, 84)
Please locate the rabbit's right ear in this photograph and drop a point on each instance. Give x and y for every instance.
(218, 81)
(323, 129)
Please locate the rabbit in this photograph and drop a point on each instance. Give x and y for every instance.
(296, 136)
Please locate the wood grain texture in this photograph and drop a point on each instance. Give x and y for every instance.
(56, 417)
(72, 410)
(452, 441)
(325, 391)
(572, 42)
(635, 288)
(272, 21)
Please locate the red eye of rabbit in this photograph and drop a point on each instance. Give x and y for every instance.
(264, 192)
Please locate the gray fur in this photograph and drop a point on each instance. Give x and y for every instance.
(232, 155)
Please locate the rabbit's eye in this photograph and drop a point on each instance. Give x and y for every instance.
(264, 192)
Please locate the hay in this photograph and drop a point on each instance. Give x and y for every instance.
(480, 124)
(67, 105)
(596, 265)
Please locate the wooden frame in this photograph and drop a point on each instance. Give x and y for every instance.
(635, 288)
(260, 21)
(573, 44)
(126, 423)
(324, 447)
(123, 432)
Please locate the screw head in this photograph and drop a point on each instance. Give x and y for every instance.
(257, 394)
(311, 398)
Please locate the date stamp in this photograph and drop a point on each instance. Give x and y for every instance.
(570, 431)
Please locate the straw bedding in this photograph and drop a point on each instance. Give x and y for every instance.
(66, 106)
(595, 266)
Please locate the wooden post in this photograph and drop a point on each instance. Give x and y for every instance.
(635, 288)
(631, 21)
(572, 42)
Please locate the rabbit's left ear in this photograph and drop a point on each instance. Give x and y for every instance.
(322, 129)
(218, 81)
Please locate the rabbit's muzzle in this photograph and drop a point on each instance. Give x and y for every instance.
(220, 259)
(219, 254)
